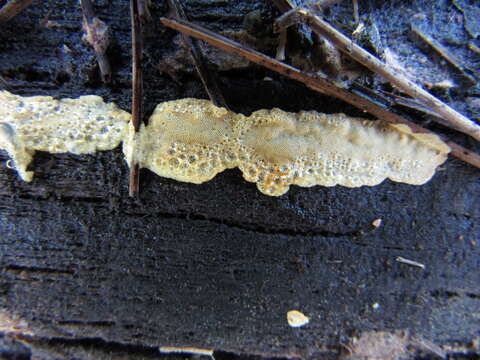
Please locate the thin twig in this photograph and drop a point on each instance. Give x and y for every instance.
(356, 15)
(314, 82)
(209, 82)
(282, 45)
(429, 347)
(137, 88)
(473, 47)
(144, 11)
(44, 21)
(348, 47)
(283, 5)
(444, 53)
(410, 103)
(97, 35)
(12, 9)
(372, 94)
(410, 262)
(414, 104)
(4, 84)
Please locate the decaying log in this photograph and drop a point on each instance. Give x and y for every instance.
(88, 272)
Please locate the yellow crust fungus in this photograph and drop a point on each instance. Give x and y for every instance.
(192, 140)
(79, 126)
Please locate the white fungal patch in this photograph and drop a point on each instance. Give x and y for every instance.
(297, 319)
(192, 140)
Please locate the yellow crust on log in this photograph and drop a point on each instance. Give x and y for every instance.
(192, 140)
(79, 126)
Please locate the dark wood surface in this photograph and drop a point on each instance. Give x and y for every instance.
(87, 272)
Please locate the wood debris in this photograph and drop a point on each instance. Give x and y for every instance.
(137, 86)
(97, 34)
(297, 319)
(209, 81)
(410, 262)
(377, 223)
(314, 82)
(445, 54)
(12, 9)
(347, 46)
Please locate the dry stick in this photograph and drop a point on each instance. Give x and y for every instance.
(347, 46)
(97, 35)
(356, 15)
(137, 88)
(3, 84)
(144, 11)
(443, 52)
(209, 82)
(12, 9)
(473, 47)
(415, 105)
(411, 103)
(316, 83)
(283, 5)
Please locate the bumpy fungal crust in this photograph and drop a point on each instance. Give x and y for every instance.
(79, 126)
(192, 140)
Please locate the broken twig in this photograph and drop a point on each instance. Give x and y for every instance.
(411, 103)
(97, 35)
(3, 84)
(144, 11)
(415, 105)
(283, 5)
(410, 262)
(444, 53)
(209, 82)
(473, 47)
(137, 88)
(356, 15)
(314, 82)
(348, 47)
(12, 9)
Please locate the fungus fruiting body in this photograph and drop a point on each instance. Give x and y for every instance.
(79, 126)
(192, 140)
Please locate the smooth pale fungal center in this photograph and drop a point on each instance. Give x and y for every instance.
(297, 319)
(192, 140)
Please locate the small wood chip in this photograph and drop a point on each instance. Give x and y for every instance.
(376, 223)
(12, 9)
(297, 319)
(97, 34)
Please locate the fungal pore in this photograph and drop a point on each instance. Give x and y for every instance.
(192, 140)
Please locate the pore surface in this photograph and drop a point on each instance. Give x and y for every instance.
(193, 140)
(79, 126)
